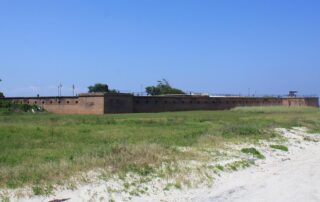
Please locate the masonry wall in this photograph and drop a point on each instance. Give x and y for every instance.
(65, 105)
(311, 102)
(118, 103)
(185, 103)
(126, 103)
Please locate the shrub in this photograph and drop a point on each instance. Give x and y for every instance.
(253, 152)
(279, 147)
(7, 107)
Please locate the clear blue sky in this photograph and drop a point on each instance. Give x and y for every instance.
(218, 46)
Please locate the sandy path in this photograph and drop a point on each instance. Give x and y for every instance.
(297, 179)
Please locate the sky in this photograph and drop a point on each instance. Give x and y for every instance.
(216, 46)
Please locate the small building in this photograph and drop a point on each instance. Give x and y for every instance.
(293, 93)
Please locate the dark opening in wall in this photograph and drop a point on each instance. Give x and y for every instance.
(51, 102)
(59, 102)
(42, 102)
(77, 101)
(68, 102)
(35, 102)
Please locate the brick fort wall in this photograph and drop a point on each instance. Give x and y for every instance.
(100, 103)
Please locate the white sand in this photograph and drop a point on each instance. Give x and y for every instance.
(285, 177)
(282, 176)
(297, 179)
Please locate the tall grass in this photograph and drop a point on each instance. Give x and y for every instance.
(48, 148)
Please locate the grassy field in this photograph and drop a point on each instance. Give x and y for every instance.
(38, 149)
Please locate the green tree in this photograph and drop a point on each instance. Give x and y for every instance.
(163, 88)
(101, 88)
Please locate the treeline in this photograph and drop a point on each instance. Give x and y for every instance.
(163, 87)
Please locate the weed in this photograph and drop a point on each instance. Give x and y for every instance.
(168, 187)
(280, 147)
(40, 190)
(220, 167)
(178, 185)
(238, 165)
(254, 152)
(126, 185)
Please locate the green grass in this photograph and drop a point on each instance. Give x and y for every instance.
(280, 147)
(241, 164)
(254, 152)
(41, 149)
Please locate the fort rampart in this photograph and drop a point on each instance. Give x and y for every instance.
(104, 103)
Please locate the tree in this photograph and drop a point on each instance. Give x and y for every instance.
(163, 88)
(101, 88)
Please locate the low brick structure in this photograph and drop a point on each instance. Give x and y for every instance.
(104, 103)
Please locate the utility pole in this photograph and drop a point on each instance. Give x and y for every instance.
(59, 90)
(73, 88)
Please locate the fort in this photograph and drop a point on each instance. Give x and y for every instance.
(105, 103)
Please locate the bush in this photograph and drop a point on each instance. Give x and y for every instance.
(253, 152)
(279, 147)
(7, 107)
(5, 104)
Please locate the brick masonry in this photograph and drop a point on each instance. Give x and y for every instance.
(99, 103)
